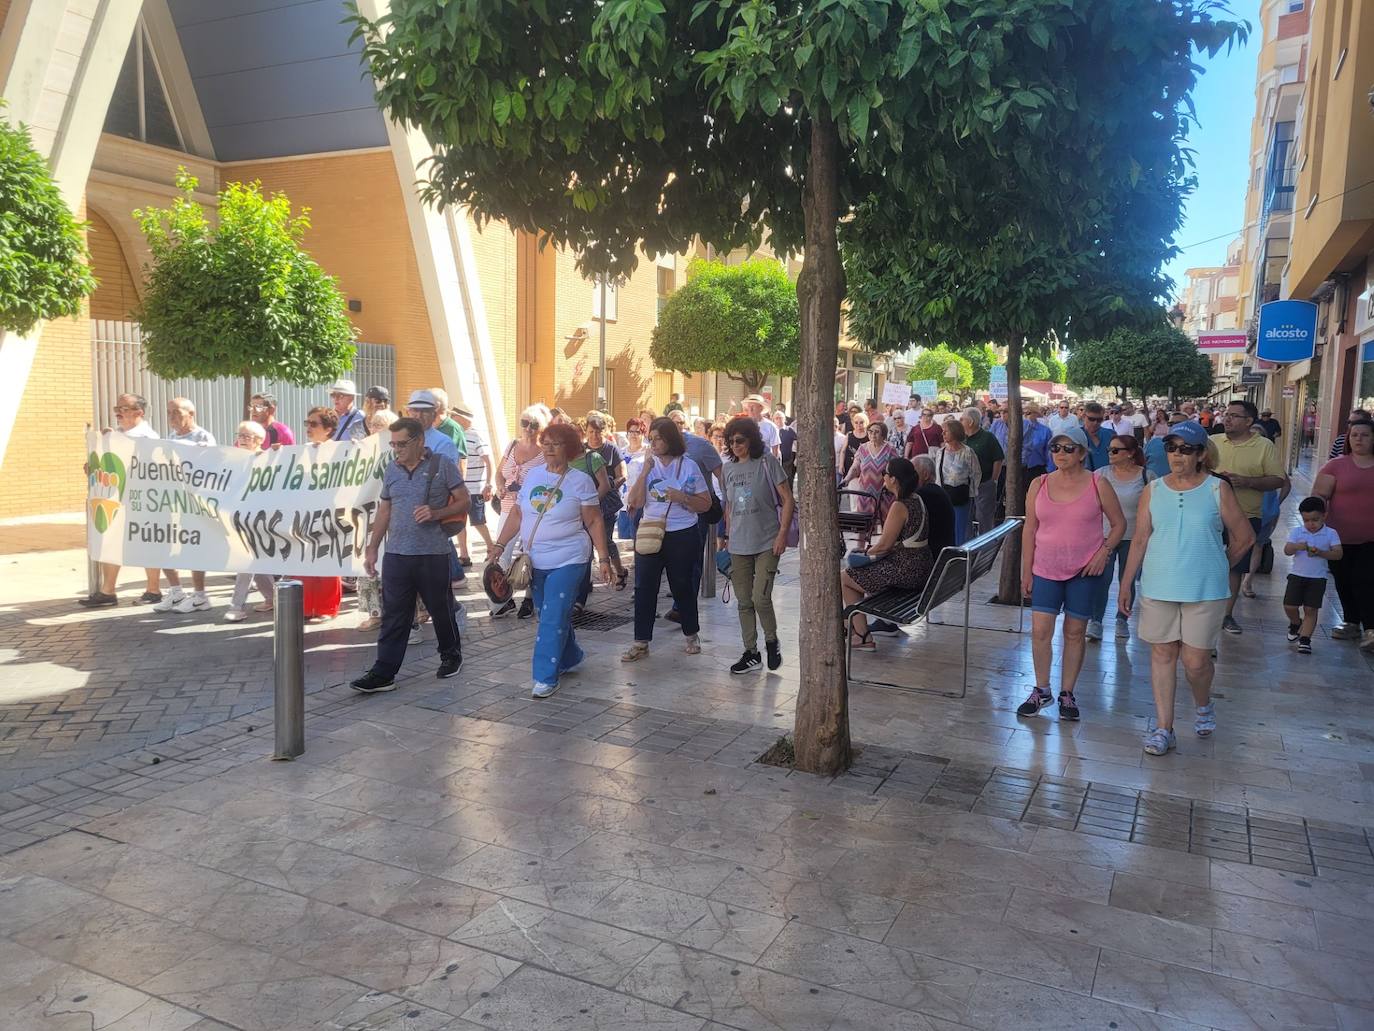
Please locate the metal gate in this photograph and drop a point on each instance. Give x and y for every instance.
(118, 367)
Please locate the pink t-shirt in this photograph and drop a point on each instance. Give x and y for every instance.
(1351, 512)
(1067, 533)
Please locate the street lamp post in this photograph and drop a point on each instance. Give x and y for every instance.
(601, 379)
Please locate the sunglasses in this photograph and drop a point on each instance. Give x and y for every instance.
(1094, 418)
(1063, 449)
(527, 424)
(1119, 450)
(399, 445)
(1184, 449)
(738, 440)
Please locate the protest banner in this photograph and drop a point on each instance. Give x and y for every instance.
(896, 393)
(305, 510)
(925, 389)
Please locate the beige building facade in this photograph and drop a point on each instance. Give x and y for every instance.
(120, 93)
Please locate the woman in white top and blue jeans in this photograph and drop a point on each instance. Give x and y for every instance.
(1125, 474)
(558, 519)
(673, 488)
(1185, 576)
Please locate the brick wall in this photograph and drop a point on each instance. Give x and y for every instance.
(42, 464)
(116, 296)
(360, 235)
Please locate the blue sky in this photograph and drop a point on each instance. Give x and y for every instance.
(1225, 99)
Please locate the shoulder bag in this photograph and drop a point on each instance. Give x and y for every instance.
(611, 502)
(454, 525)
(794, 527)
(522, 569)
(649, 535)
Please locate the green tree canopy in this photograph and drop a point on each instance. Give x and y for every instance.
(1058, 372)
(933, 363)
(741, 320)
(1034, 367)
(240, 297)
(608, 125)
(982, 357)
(44, 264)
(1146, 361)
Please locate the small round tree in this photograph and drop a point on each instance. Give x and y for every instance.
(741, 320)
(240, 298)
(1146, 361)
(44, 264)
(1033, 367)
(934, 362)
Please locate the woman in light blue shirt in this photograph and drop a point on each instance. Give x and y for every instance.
(1184, 585)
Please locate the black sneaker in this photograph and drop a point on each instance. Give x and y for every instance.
(148, 598)
(775, 653)
(504, 610)
(882, 628)
(526, 609)
(98, 600)
(748, 662)
(673, 616)
(1293, 629)
(373, 683)
(1068, 706)
(449, 668)
(1304, 646)
(1039, 698)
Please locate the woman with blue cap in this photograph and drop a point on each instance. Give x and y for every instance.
(1184, 563)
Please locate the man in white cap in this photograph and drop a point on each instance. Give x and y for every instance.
(352, 424)
(423, 407)
(754, 407)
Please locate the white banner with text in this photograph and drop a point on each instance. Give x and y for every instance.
(297, 511)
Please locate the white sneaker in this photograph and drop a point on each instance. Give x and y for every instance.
(235, 616)
(170, 600)
(193, 602)
(1094, 631)
(416, 635)
(538, 690)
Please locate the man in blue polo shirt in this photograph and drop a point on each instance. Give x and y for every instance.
(1099, 435)
(417, 495)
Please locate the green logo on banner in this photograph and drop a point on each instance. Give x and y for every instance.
(104, 487)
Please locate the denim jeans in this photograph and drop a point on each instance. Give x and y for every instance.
(555, 644)
(962, 518)
(680, 549)
(1115, 567)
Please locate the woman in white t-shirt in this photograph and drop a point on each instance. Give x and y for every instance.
(557, 518)
(671, 489)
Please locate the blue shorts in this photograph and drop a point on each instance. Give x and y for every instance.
(1073, 597)
(477, 508)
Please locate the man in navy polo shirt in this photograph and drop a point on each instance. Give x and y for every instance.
(417, 554)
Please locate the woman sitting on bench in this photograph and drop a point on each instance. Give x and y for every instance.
(900, 557)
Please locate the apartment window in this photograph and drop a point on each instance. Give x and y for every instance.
(138, 107)
(667, 283)
(610, 301)
(1294, 6)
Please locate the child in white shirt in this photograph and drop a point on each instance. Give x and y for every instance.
(1312, 545)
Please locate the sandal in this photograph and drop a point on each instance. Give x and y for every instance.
(862, 642)
(264, 606)
(1205, 720)
(620, 579)
(693, 645)
(635, 652)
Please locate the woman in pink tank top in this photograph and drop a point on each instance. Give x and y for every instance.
(1063, 554)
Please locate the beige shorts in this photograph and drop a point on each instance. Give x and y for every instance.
(1195, 623)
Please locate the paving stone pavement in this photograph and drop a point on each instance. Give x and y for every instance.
(457, 856)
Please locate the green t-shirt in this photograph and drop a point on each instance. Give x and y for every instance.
(454, 432)
(988, 450)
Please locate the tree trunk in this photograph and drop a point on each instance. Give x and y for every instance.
(821, 732)
(753, 380)
(1009, 582)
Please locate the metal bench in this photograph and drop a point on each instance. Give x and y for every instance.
(862, 525)
(956, 569)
